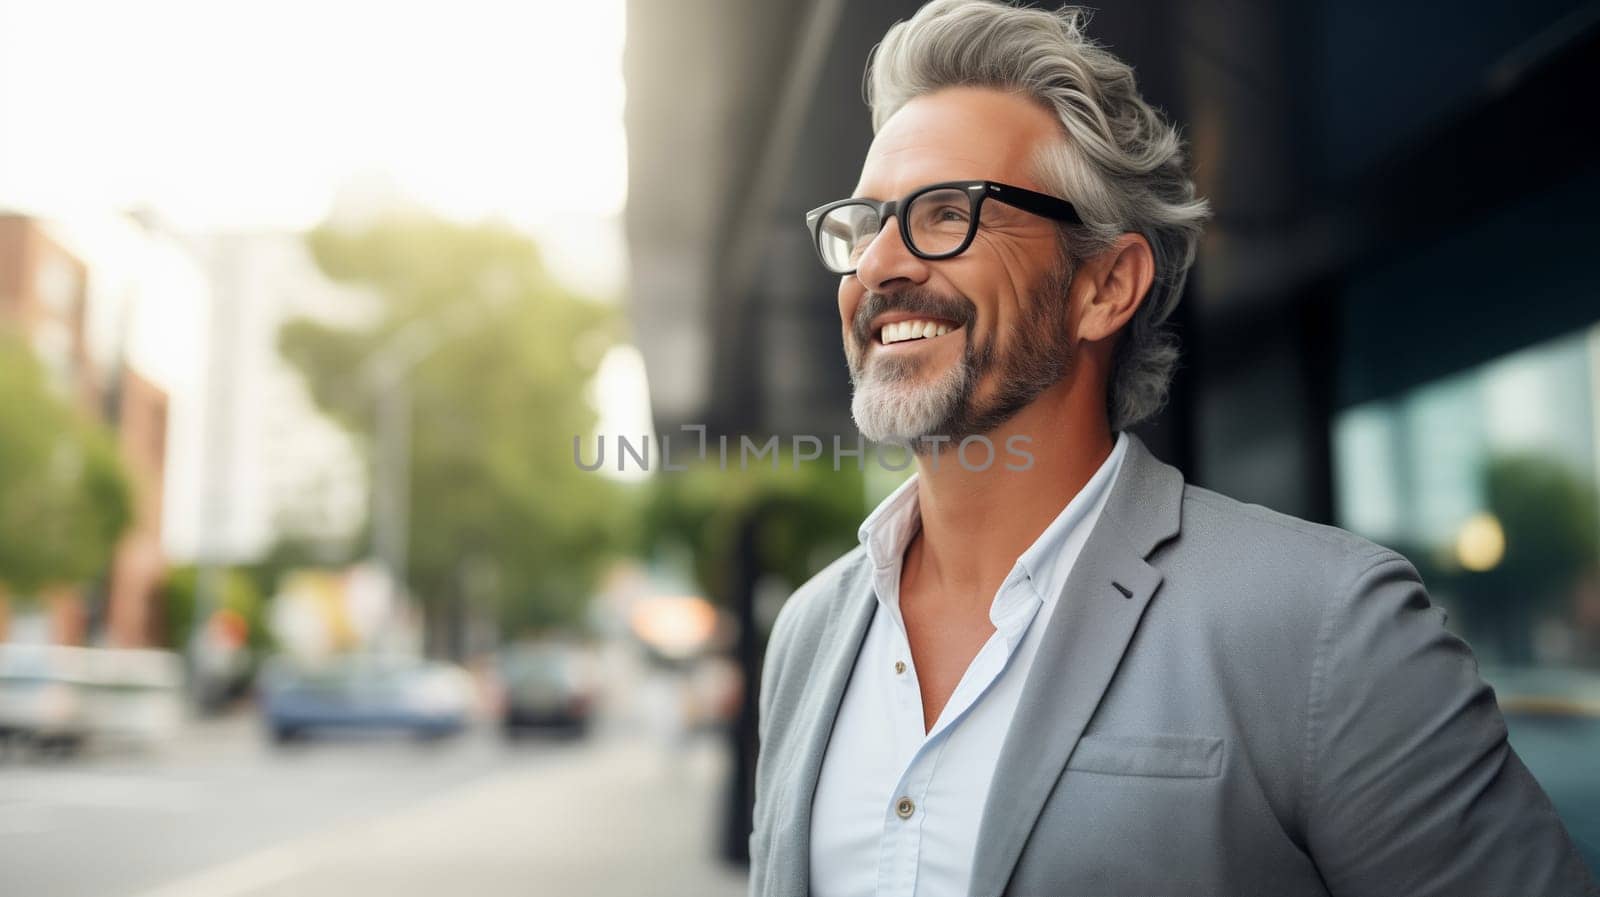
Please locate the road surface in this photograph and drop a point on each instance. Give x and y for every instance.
(224, 814)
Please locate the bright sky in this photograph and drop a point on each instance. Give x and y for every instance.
(257, 116)
(235, 115)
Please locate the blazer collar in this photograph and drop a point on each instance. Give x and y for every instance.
(1099, 609)
(1096, 614)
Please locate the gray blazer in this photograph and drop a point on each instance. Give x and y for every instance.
(1226, 701)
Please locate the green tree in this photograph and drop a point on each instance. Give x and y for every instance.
(1552, 537)
(808, 517)
(502, 521)
(64, 496)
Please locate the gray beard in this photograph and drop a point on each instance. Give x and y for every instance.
(896, 403)
(891, 407)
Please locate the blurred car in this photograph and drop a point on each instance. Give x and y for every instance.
(222, 665)
(134, 696)
(365, 693)
(59, 696)
(544, 686)
(41, 695)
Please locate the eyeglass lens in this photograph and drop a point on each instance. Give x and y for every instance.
(938, 222)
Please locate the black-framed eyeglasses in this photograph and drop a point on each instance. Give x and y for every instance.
(936, 222)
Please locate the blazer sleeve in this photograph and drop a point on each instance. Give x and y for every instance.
(1410, 785)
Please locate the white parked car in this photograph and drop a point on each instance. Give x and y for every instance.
(59, 695)
(41, 699)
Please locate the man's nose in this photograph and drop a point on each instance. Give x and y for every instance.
(887, 263)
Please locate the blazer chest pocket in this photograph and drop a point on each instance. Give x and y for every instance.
(1157, 756)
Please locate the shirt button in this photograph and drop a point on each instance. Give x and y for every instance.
(905, 808)
(899, 667)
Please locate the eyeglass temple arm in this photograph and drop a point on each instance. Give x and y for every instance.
(1038, 203)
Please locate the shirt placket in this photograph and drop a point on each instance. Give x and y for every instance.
(902, 831)
(901, 845)
(903, 823)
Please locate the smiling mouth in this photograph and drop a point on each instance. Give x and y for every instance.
(913, 330)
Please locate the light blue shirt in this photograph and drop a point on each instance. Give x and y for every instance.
(896, 811)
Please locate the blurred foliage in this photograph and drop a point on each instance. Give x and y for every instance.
(807, 516)
(1551, 520)
(65, 498)
(237, 591)
(499, 361)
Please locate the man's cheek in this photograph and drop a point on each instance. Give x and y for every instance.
(849, 305)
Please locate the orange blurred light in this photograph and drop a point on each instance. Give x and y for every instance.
(675, 626)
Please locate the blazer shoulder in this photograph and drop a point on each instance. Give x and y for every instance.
(808, 610)
(1211, 513)
(1253, 550)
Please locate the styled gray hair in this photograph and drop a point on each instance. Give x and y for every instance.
(1122, 164)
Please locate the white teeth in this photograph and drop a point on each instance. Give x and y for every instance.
(901, 331)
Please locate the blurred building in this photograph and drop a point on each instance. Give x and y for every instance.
(730, 131)
(1391, 325)
(271, 465)
(139, 566)
(44, 291)
(172, 340)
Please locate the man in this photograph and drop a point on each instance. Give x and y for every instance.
(1085, 676)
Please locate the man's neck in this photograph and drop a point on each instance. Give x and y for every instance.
(976, 523)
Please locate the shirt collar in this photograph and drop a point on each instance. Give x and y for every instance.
(888, 529)
(1045, 564)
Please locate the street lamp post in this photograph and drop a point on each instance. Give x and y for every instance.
(391, 497)
(387, 374)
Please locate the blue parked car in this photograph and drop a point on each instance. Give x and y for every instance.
(365, 692)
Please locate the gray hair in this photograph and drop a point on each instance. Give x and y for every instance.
(1122, 164)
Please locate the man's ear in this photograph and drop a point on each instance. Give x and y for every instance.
(1120, 278)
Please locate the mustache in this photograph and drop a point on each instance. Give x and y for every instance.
(925, 303)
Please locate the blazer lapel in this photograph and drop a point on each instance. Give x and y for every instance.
(1095, 617)
(791, 842)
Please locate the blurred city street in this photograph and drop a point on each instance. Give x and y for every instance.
(406, 451)
(224, 813)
